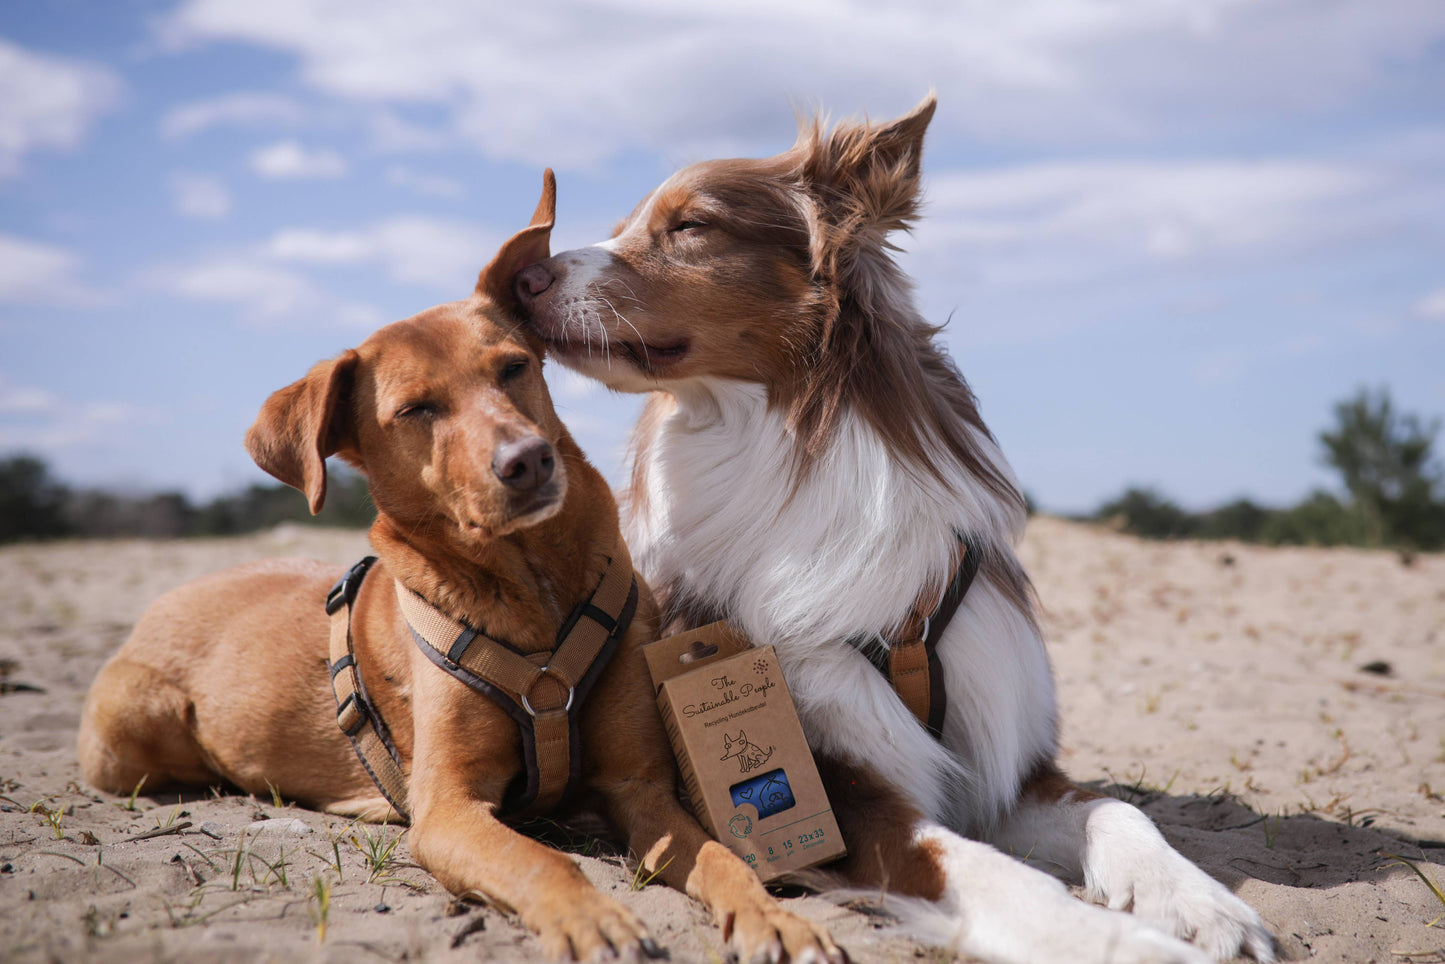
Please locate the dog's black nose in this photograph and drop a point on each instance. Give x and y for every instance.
(524, 464)
(531, 282)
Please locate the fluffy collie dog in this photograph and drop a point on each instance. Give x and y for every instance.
(808, 466)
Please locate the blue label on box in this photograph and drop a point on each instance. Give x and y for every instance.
(769, 793)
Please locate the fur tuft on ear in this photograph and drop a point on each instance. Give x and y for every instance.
(303, 424)
(864, 179)
(527, 246)
(861, 182)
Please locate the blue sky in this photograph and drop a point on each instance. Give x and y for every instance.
(1168, 235)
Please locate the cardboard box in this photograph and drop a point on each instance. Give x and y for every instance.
(744, 759)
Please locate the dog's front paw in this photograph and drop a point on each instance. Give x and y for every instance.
(592, 928)
(1185, 901)
(766, 932)
(1132, 867)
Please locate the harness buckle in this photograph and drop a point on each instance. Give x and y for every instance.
(344, 592)
(354, 707)
(571, 692)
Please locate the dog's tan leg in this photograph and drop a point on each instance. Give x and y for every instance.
(137, 724)
(459, 840)
(670, 843)
(372, 808)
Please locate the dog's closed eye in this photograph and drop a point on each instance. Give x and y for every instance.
(418, 410)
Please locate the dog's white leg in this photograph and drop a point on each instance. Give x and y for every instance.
(1009, 912)
(1126, 864)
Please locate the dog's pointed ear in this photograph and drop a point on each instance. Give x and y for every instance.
(855, 153)
(527, 246)
(900, 141)
(304, 423)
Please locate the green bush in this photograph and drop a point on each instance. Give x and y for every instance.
(1385, 462)
(32, 504)
(1144, 512)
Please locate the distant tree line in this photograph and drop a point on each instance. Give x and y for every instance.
(1394, 496)
(35, 505)
(1394, 491)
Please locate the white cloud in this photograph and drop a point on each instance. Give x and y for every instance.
(427, 185)
(21, 399)
(36, 420)
(603, 77)
(445, 255)
(1067, 222)
(288, 160)
(47, 102)
(241, 109)
(32, 272)
(391, 133)
(267, 294)
(273, 283)
(200, 196)
(312, 246)
(1432, 305)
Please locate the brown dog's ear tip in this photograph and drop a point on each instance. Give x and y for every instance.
(919, 117)
(546, 214)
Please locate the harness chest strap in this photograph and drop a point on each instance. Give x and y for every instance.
(550, 685)
(913, 666)
(543, 691)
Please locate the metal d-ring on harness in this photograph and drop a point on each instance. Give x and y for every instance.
(910, 662)
(542, 692)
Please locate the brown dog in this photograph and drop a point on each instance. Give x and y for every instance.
(489, 511)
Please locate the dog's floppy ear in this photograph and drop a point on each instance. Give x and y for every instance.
(302, 424)
(527, 246)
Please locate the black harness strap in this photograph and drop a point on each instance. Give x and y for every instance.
(879, 652)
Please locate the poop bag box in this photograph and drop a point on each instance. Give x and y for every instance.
(741, 749)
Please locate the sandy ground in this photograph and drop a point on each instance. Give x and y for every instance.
(1221, 687)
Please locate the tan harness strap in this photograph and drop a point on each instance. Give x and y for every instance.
(356, 716)
(595, 622)
(910, 660)
(908, 671)
(541, 691)
(498, 665)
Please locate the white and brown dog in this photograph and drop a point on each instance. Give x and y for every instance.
(808, 466)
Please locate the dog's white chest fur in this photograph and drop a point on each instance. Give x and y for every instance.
(845, 554)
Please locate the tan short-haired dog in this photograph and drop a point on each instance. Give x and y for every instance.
(489, 512)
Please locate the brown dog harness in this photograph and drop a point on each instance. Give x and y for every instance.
(910, 661)
(542, 692)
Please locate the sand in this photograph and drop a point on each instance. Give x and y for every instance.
(1221, 687)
